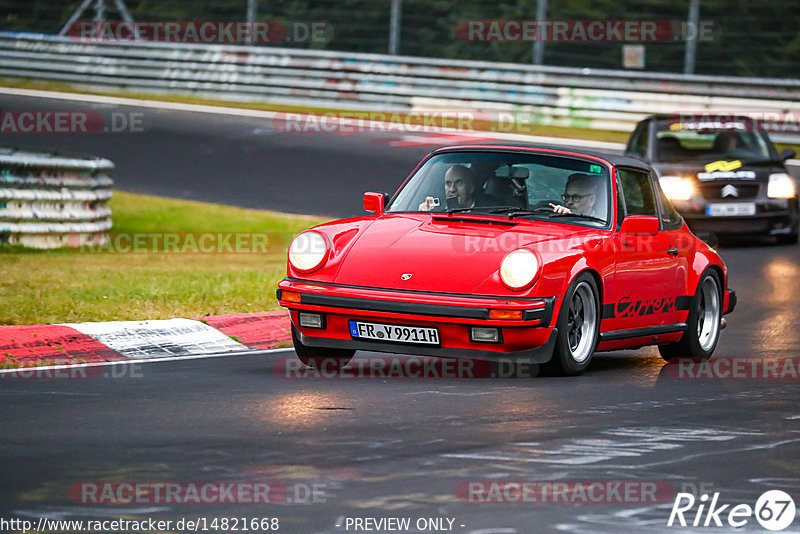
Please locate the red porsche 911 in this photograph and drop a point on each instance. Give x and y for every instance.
(496, 252)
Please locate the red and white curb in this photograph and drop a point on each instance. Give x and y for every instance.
(86, 343)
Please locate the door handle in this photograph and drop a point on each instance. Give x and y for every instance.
(672, 251)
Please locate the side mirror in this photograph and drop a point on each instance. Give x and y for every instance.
(787, 153)
(375, 203)
(639, 225)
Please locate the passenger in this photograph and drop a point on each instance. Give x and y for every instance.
(580, 196)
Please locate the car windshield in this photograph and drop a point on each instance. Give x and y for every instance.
(681, 141)
(508, 184)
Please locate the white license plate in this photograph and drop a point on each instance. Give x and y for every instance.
(394, 333)
(732, 209)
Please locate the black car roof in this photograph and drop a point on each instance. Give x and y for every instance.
(613, 159)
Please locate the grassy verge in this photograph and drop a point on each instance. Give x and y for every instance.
(73, 285)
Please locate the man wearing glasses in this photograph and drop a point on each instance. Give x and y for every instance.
(580, 196)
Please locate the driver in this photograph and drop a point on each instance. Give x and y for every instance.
(459, 189)
(580, 196)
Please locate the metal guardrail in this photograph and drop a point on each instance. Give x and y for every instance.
(51, 201)
(586, 98)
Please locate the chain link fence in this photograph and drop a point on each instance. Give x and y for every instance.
(759, 38)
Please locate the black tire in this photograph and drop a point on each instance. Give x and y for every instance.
(320, 357)
(703, 324)
(578, 328)
(788, 239)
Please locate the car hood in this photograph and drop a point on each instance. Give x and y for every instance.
(453, 255)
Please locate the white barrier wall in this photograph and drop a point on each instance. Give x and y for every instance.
(51, 201)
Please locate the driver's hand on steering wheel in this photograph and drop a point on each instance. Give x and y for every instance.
(559, 208)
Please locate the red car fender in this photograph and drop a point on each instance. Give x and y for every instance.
(703, 260)
(341, 236)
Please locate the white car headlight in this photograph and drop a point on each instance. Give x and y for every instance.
(519, 268)
(780, 185)
(308, 251)
(677, 188)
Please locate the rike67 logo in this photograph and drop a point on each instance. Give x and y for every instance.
(774, 510)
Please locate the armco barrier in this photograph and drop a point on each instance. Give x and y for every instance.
(50, 201)
(587, 98)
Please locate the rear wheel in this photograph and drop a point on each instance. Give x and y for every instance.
(703, 324)
(578, 327)
(319, 357)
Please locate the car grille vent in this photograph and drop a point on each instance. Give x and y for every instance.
(714, 191)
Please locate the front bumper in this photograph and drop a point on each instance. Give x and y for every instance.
(531, 337)
(730, 301)
(772, 217)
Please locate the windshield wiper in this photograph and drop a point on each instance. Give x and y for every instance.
(462, 210)
(587, 217)
(521, 212)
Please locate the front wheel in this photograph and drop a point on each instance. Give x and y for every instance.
(578, 328)
(319, 357)
(703, 324)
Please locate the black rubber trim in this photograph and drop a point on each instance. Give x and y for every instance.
(544, 315)
(643, 332)
(395, 307)
(412, 308)
(416, 291)
(732, 301)
(541, 354)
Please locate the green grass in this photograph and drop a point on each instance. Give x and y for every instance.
(73, 285)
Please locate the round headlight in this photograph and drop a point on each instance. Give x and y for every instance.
(519, 268)
(308, 251)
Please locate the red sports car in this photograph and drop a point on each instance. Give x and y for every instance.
(490, 251)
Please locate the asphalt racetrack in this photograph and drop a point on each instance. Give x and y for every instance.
(340, 449)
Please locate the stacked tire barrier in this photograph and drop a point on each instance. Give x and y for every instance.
(571, 97)
(52, 201)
